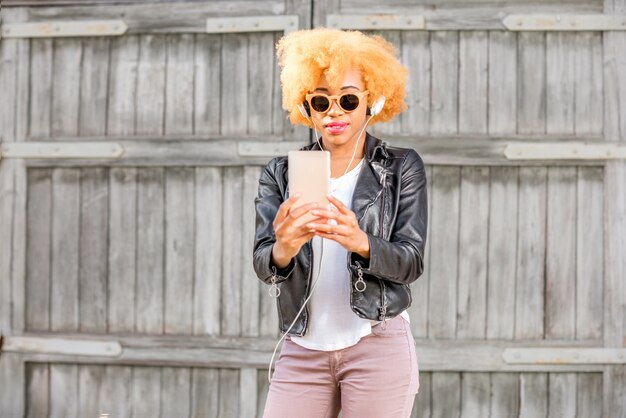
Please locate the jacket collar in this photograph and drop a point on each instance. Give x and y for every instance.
(373, 147)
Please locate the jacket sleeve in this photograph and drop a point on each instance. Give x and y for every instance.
(266, 204)
(401, 259)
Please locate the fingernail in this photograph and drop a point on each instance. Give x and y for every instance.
(315, 212)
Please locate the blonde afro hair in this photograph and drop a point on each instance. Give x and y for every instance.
(307, 54)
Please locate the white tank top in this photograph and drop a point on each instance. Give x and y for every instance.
(332, 323)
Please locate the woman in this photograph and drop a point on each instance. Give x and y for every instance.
(350, 348)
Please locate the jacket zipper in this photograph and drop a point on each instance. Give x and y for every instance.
(383, 295)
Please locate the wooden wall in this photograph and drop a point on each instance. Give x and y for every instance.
(153, 250)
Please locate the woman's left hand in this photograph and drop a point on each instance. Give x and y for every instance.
(346, 232)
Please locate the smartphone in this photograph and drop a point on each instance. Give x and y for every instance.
(309, 174)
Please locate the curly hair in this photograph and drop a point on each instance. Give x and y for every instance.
(307, 54)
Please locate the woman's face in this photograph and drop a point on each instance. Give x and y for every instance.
(338, 127)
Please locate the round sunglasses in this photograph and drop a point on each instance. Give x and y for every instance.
(348, 102)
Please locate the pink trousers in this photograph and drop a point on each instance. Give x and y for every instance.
(376, 378)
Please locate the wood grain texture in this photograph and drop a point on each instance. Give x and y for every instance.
(176, 392)
(416, 56)
(205, 393)
(260, 90)
(503, 83)
(146, 391)
(588, 89)
(90, 380)
(63, 391)
(234, 81)
(93, 86)
(473, 81)
(66, 72)
(179, 88)
(115, 392)
(476, 391)
(560, 82)
(446, 393)
(230, 393)
(151, 79)
(41, 87)
(422, 405)
(37, 390)
(589, 395)
(505, 395)
(250, 284)
(207, 73)
(562, 400)
(122, 85)
(444, 49)
(533, 395)
(531, 83)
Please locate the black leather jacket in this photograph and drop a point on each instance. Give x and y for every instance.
(389, 201)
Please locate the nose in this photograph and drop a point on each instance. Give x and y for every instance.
(335, 108)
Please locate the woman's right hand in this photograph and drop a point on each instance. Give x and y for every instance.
(289, 237)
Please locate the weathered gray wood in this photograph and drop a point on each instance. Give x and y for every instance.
(442, 309)
(531, 244)
(560, 81)
(66, 86)
(229, 387)
(418, 311)
(505, 395)
(393, 126)
(416, 56)
(531, 84)
(179, 254)
(234, 99)
(261, 73)
(560, 314)
(533, 395)
(475, 394)
(151, 71)
(250, 284)
(473, 81)
(248, 392)
(473, 250)
(37, 390)
(13, 379)
(63, 391)
(179, 84)
(263, 386)
(589, 395)
(93, 86)
(146, 391)
(122, 85)
(40, 87)
(503, 81)
(115, 392)
(502, 253)
(446, 395)
(205, 393)
(92, 277)
(38, 249)
(588, 114)
(176, 392)
(232, 269)
(90, 379)
(207, 106)
(279, 116)
(421, 407)
(122, 249)
(590, 249)
(444, 49)
(562, 398)
(208, 266)
(150, 252)
(615, 212)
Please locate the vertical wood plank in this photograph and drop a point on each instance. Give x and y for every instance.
(531, 86)
(589, 395)
(503, 82)
(115, 393)
(150, 100)
(531, 247)
(562, 399)
(90, 379)
(205, 393)
(588, 102)
(444, 50)
(446, 395)
(176, 392)
(208, 264)
(66, 86)
(207, 73)
(393, 126)
(421, 407)
(94, 231)
(146, 391)
(229, 393)
(444, 223)
(179, 88)
(260, 100)
(473, 244)
(63, 391)
(502, 253)
(533, 395)
(561, 254)
(122, 249)
(250, 284)
(232, 268)
(505, 395)
(248, 392)
(179, 252)
(560, 82)
(416, 56)
(94, 76)
(38, 250)
(473, 64)
(40, 87)
(475, 393)
(279, 116)
(589, 249)
(37, 390)
(65, 249)
(122, 85)
(235, 75)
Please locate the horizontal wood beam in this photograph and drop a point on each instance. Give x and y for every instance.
(564, 356)
(252, 24)
(564, 22)
(376, 22)
(225, 151)
(240, 352)
(57, 29)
